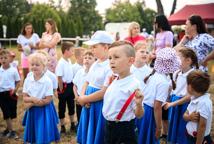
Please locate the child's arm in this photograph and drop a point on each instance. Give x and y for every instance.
(96, 96)
(194, 116)
(181, 101)
(201, 130)
(139, 111)
(158, 115)
(44, 101)
(28, 101)
(60, 82)
(75, 92)
(84, 87)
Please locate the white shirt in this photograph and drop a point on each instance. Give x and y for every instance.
(203, 105)
(181, 83)
(40, 88)
(64, 69)
(23, 41)
(8, 77)
(80, 79)
(76, 67)
(141, 73)
(156, 88)
(98, 74)
(115, 97)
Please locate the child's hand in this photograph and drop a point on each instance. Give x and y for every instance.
(87, 105)
(12, 91)
(80, 100)
(28, 105)
(36, 100)
(167, 105)
(157, 133)
(138, 97)
(76, 100)
(194, 116)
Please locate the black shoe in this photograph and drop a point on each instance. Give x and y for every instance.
(13, 135)
(5, 133)
(63, 130)
(73, 127)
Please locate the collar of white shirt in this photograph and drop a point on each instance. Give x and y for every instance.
(41, 80)
(197, 99)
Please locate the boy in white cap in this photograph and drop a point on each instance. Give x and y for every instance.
(90, 129)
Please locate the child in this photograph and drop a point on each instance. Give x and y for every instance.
(9, 84)
(90, 129)
(121, 130)
(65, 94)
(78, 54)
(40, 119)
(80, 78)
(199, 111)
(13, 63)
(176, 132)
(140, 69)
(156, 91)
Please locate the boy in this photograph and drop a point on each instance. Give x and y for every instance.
(80, 78)
(78, 54)
(120, 128)
(140, 69)
(9, 84)
(199, 111)
(64, 73)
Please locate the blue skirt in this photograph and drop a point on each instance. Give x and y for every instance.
(146, 127)
(83, 126)
(177, 125)
(41, 124)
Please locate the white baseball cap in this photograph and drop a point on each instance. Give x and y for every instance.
(100, 37)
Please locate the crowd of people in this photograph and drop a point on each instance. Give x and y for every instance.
(120, 91)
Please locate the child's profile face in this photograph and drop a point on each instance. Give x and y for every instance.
(98, 50)
(36, 67)
(142, 56)
(69, 53)
(88, 60)
(119, 61)
(5, 60)
(185, 62)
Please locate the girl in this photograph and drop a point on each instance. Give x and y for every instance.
(177, 124)
(90, 129)
(27, 42)
(49, 41)
(155, 92)
(40, 119)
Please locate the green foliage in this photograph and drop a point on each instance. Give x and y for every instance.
(127, 12)
(38, 15)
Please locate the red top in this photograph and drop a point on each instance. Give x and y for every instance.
(133, 40)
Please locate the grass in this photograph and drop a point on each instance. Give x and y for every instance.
(69, 138)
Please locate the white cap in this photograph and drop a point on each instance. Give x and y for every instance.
(100, 37)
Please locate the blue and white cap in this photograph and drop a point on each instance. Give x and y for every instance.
(100, 37)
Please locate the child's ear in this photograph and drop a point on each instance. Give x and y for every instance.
(131, 60)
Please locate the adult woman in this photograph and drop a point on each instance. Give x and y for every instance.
(197, 39)
(27, 42)
(134, 33)
(49, 40)
(164, 35)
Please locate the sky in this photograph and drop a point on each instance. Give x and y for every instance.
(167, 4)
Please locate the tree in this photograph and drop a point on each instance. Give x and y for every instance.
(173, 7)
(160, 7)
(11, 15)
(38, 15)
(85, 17)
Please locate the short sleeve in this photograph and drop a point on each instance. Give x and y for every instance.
(162, 92)
(16, 75)
(59, 71)
(37, 39)
(57, 37)
(169, 38)
(25, 85)
(18, 39)
(209, 42)
(76, 77)
(204, 110)
(55, 82)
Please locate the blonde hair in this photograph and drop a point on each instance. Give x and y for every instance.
(43, 52)
(40, 57)
(78, 51)
(131, 26)
(140, 44)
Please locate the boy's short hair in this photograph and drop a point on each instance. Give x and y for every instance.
(128, 48)
(78, 51)
(4, 52)
(88, 52)
(140, 44)
(41, 58)
(66, 46)
(199, 81)
(44, 53)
